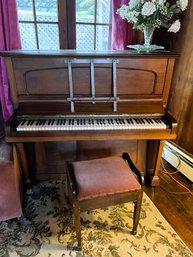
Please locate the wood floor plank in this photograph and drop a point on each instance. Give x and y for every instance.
(175, 204)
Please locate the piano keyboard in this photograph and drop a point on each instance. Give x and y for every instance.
(74, 124)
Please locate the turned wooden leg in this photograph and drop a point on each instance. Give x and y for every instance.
(76, 209)
(137, 210)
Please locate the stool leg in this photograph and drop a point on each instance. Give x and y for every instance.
(76, 209)
(136, 215)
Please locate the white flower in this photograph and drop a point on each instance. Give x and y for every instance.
(148, 9)
(133, 3)
(159, 2)
(175, 27)
(183, 4)
(123, 11)
(132, 16)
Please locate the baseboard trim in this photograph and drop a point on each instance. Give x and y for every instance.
(178, 159)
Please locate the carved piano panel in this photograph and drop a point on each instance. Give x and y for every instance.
(43, 78)
(47, 78)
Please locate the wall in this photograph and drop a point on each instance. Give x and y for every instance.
(181, 96)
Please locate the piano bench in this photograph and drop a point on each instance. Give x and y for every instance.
(10, 183)
(103, 182)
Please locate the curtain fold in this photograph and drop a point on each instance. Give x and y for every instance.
(121, 34)
(9, 39)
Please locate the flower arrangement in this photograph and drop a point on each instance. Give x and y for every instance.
(146, 15)
(154, 13)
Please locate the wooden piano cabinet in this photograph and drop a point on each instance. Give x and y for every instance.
(99, 149)
(51, 85)
(51, 157)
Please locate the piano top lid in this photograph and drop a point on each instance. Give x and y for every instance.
(81, 54)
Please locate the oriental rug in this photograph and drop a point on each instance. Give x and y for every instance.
(46, 229)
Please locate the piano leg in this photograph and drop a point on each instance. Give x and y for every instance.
(24, 162)
(154, 155)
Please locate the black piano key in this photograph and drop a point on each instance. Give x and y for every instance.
(155, 120)
(149, 121)
(159, 121)
(22, 122)
(28, 123)
(142, 121)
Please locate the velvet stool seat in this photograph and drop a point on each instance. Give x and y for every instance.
(103, 182)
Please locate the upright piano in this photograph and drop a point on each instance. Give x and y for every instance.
(70, 95)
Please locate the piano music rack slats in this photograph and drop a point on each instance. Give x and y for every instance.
(93, 98)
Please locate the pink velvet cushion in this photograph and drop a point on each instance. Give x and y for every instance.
(103, 176)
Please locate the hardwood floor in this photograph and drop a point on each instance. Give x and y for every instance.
(175, 204)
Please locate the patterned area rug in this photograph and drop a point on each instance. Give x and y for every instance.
(46, 229)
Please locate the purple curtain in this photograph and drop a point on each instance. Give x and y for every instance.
(121, 34)
(9, 39)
